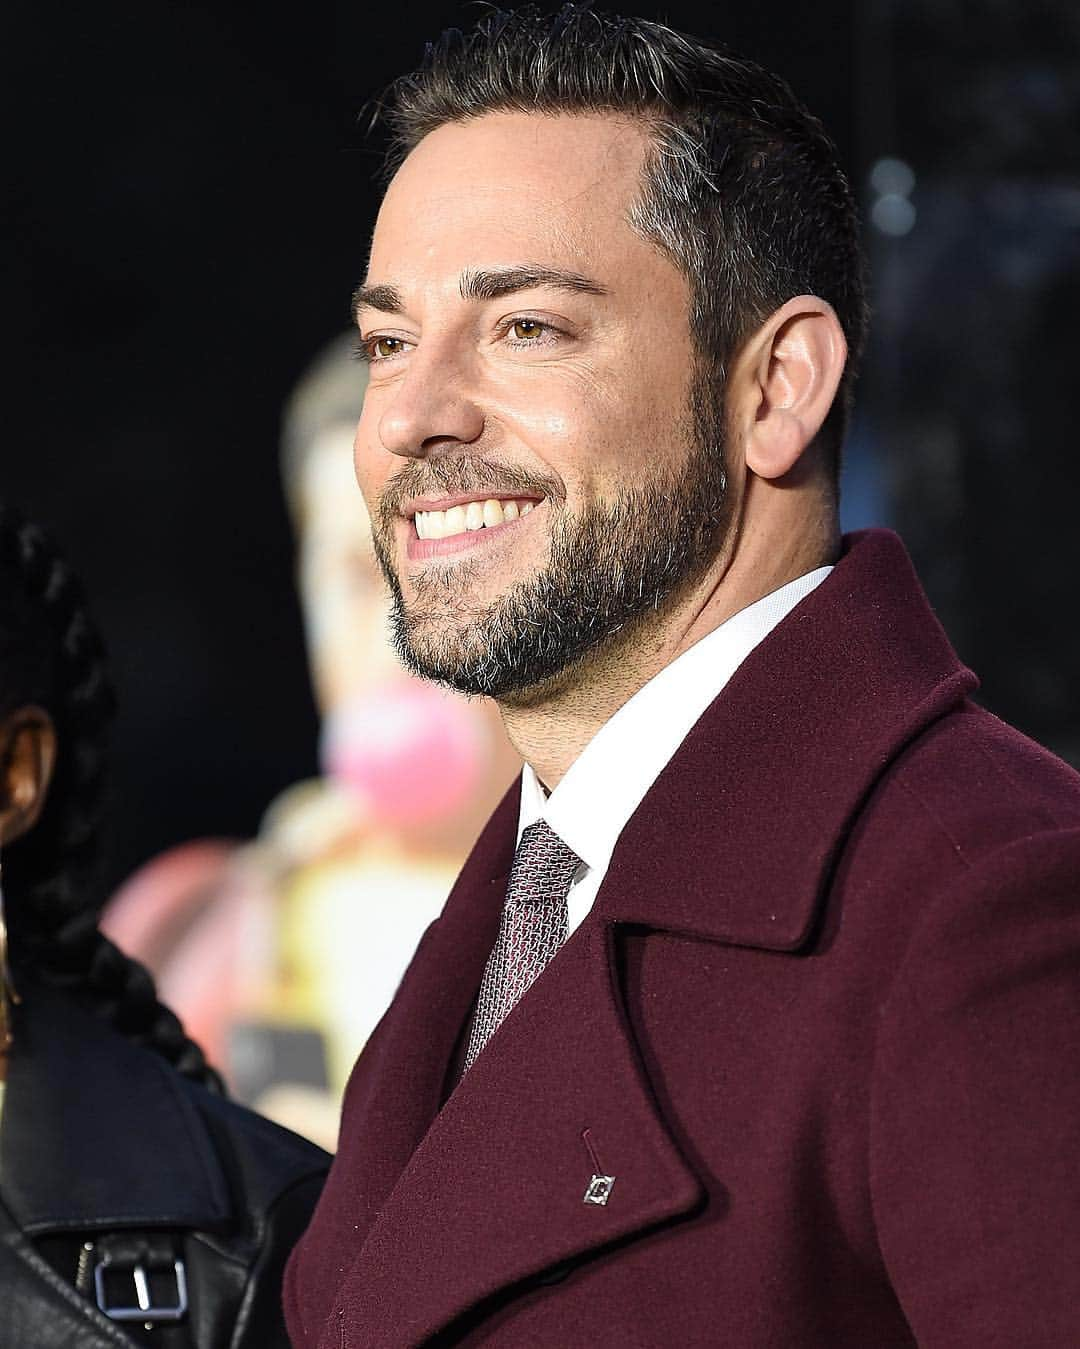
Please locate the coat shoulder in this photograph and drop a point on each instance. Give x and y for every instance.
(261, 1159)
(977, 785)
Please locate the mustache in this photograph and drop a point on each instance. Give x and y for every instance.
(463, 474)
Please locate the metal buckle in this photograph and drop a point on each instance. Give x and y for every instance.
(147, 1309)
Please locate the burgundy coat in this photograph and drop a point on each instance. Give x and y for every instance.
(821, 1025)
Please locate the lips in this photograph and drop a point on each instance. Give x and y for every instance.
(463, 526)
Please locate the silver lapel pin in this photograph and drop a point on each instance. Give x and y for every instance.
(600, 1186)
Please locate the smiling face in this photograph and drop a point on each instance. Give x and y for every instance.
(539, 448)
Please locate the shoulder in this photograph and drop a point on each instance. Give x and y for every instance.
(967, 789)
(963, 856)
(972, 840)
(195, 1159)
(261, 1159)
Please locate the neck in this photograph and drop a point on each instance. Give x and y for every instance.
(550, 727)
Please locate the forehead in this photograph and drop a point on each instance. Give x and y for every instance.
(511, 185)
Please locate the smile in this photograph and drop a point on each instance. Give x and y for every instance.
(467, 519)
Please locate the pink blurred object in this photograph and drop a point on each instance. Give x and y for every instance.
(154, 905)
(187, 915)
(414, 752)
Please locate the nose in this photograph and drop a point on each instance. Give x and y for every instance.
(431, 410)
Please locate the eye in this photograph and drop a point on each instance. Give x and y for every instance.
(527, 330)
(382, 348)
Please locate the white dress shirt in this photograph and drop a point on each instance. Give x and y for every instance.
(605, 785)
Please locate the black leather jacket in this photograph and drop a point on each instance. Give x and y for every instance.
(124, 1185)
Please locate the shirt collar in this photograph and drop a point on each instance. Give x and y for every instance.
(606, 783)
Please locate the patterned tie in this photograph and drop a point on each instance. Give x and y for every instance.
(534, 925)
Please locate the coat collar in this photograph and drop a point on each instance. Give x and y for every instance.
(97, 1132)
(735, 840)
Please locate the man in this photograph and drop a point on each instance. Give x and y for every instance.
(802, 1071)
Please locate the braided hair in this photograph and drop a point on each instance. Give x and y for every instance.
(51, 655)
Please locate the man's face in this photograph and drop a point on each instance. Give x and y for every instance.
(538, 449)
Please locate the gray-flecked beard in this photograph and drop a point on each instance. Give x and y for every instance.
(610, 567)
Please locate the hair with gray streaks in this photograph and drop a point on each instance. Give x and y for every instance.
(742, 189)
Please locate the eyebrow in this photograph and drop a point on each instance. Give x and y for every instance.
(484, 284)
(494, 283)
(386, 299)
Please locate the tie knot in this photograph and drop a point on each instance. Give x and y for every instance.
(544, 865)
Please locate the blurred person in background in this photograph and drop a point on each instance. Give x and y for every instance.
(283, 953)
(137, 1203)
(752, 1017)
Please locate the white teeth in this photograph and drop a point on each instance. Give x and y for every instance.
(462, 519)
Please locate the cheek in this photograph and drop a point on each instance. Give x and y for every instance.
(578, 434)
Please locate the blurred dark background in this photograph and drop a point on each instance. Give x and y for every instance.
(190, 201)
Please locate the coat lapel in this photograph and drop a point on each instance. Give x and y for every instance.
(495, 1192)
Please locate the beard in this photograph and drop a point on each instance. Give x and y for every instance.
(611, 566)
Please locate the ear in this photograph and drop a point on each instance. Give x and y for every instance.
(27, 759)
(785, 381)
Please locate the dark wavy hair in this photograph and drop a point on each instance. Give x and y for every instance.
(742, 189)
(51, 655)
